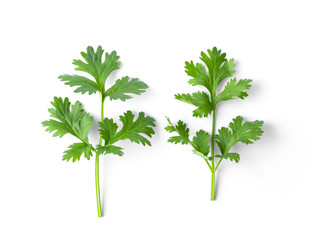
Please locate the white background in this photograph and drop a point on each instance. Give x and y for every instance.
(163, 191)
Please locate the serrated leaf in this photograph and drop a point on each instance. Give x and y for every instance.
(72, 119)
(95, 67)
(224, 139)
(247, 131)
(234, 89)
(76, 150)
(240, 132)
(225, 71)
(182, 131)
(218, 69)
(201, 142)
(123, 87)
(170, 128)
(200, 76)
(134, 130)
(84, 84)
(108, 130)
(218, 66)
(213, 59)
(232, 156)
(109, 149)
(199, 99)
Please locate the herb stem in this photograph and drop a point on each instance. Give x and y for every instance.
(212, 157)
(213, 186)
(213, 138)
(97, 170)
(208, 164)
(217, 165)
(213, 180)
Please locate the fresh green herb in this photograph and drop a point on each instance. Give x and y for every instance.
(218, 69)
(72, 119)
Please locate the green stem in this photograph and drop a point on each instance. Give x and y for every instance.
(212, 156)
(213, 186)
(217, 165)
(213, 139)
(213, 180)
(97, 185)
(97, 170)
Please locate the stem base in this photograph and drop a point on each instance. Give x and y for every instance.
(213, 186)
(97, 186)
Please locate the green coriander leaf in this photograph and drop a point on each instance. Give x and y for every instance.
(199, 99)
(234, 89)
(225, 71)
(170, 128)
(247, 131)
(95, 67)
(109, 149)
(240, 132)
(84, 84)
(224, 140)
(182, 131)
(201, 142)
(200, 76)
(232, 156)
(213, 60)
(76, 150)
(133, 130)
(123, 87)
(218, 66)
(72, 119)
(108, 130)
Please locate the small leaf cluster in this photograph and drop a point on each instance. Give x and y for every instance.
(132, 130)
(211, 75)
(100, 71)
(71, 118)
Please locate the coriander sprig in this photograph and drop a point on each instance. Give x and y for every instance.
(203, 143)
(72, 119)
